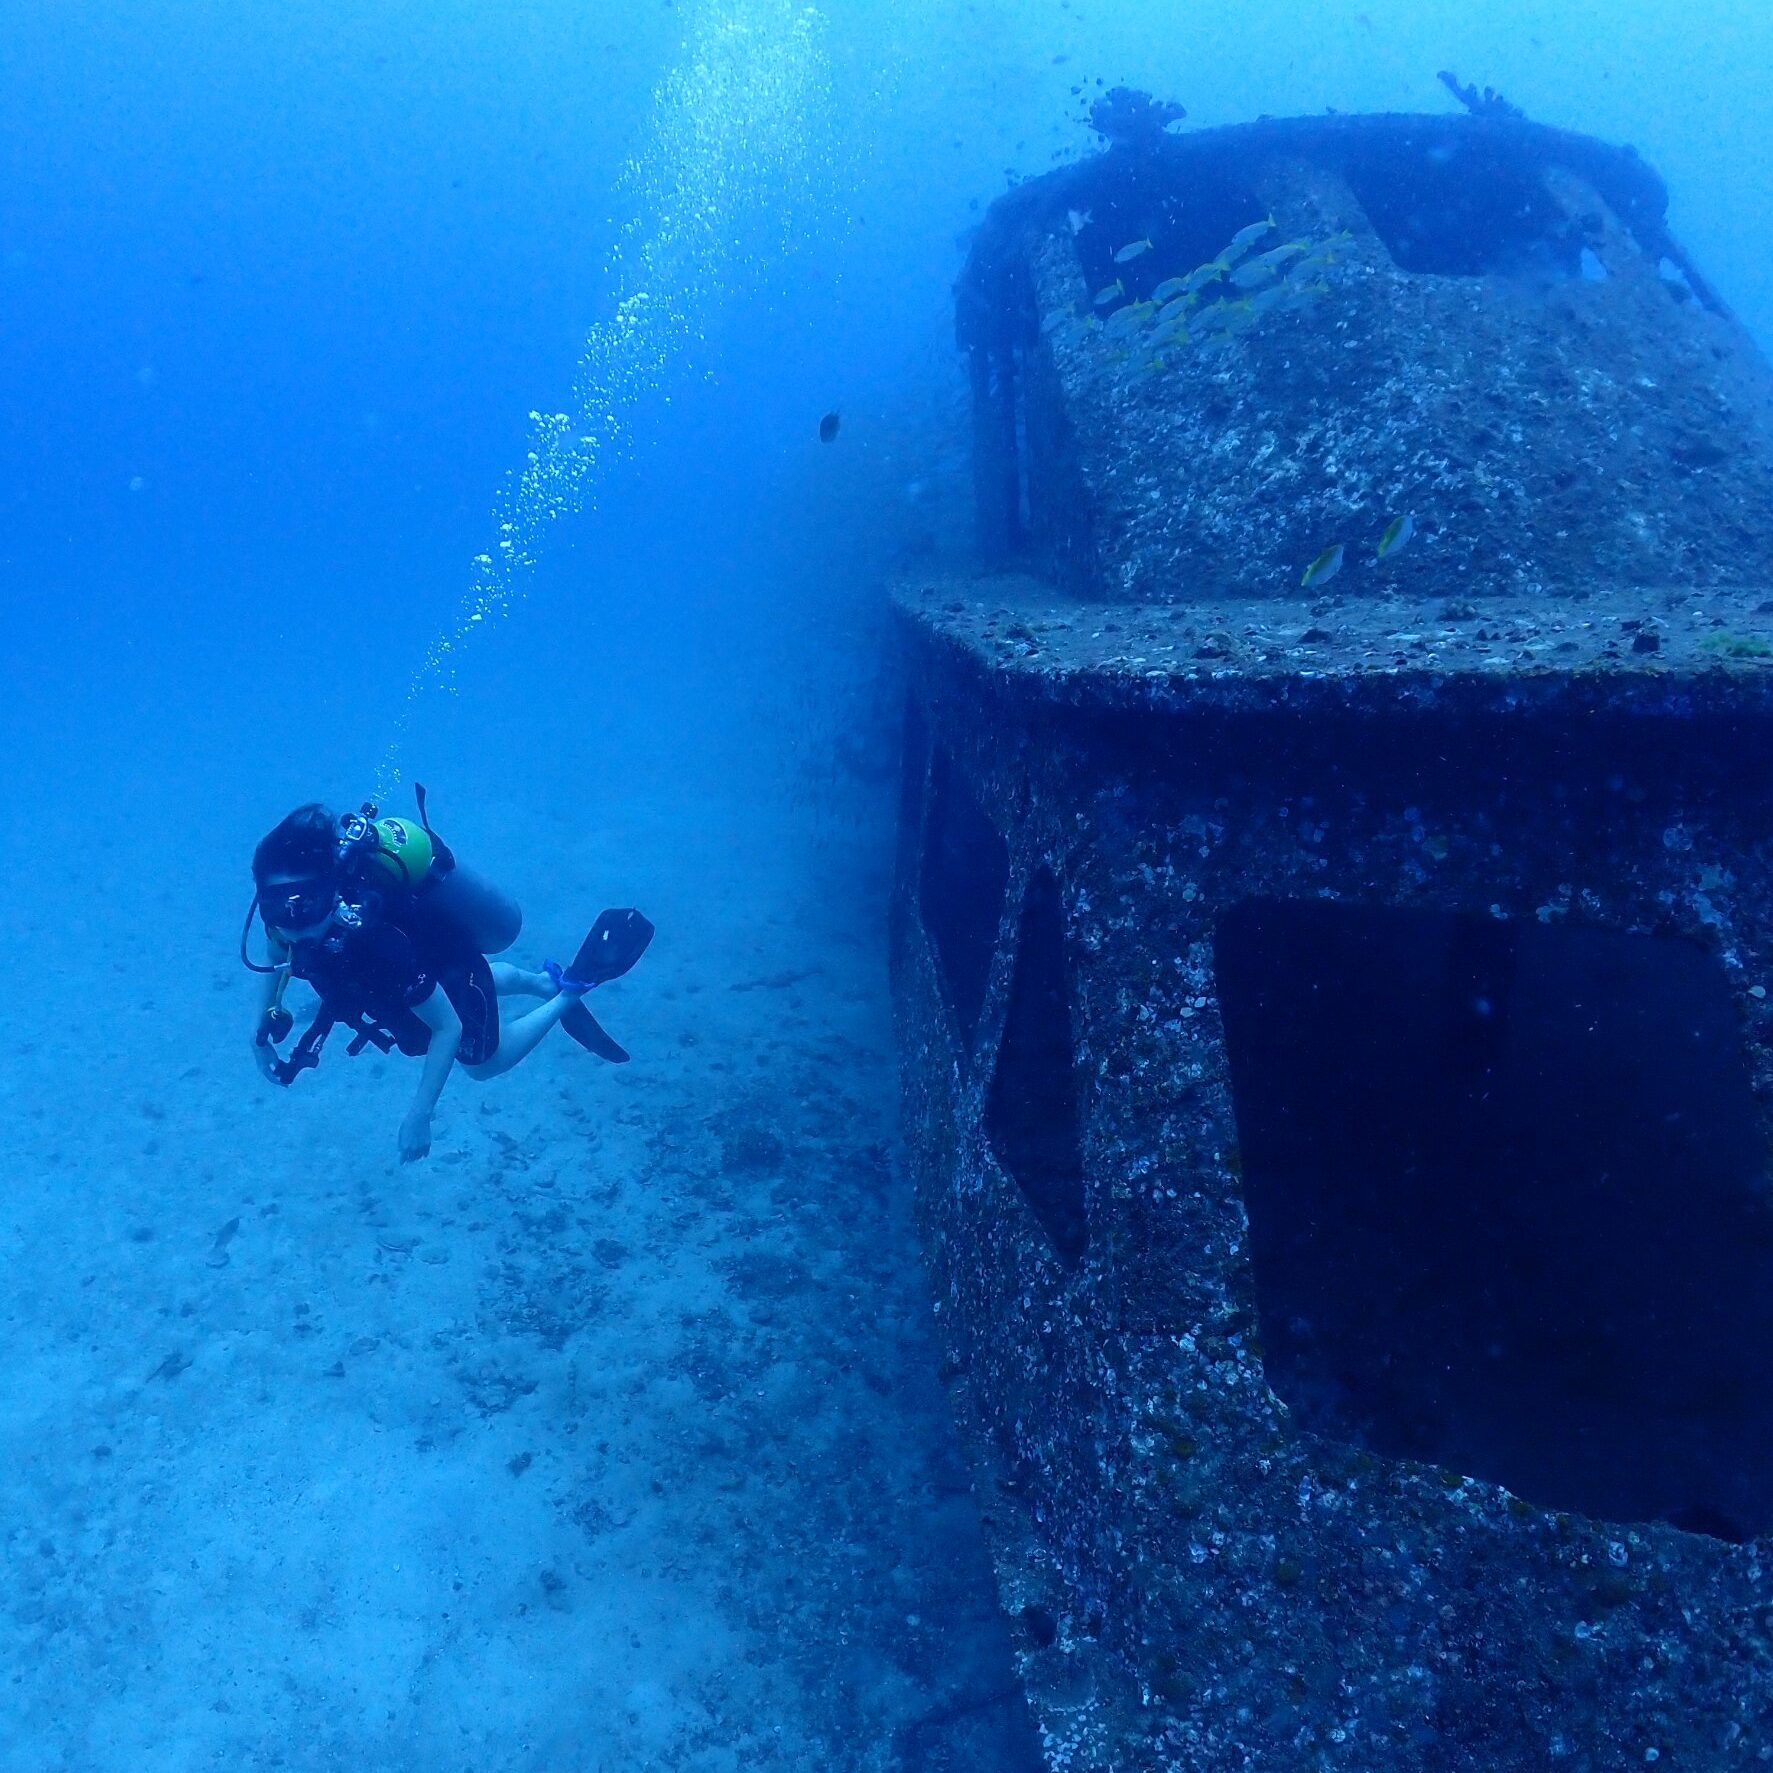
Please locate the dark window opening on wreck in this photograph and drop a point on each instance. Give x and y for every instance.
(965, 875)
(1186, 225)
(1031, 1110)
(1506, 1201)
(1455, 207)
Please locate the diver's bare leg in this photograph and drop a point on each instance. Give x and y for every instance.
(510, 981)
(518, 1039)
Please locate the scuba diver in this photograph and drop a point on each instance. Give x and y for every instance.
(393, 934)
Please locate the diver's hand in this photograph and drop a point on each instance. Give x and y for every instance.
(415, 1136)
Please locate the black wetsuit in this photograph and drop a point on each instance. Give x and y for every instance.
(379, 973)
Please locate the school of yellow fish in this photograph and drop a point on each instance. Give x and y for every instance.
(1208, 308)
(1205, 310)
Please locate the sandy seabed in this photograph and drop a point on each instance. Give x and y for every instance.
(608, 1438)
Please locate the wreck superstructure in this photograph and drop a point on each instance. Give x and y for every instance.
(1335, 1016)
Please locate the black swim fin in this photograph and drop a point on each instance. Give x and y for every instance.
(617, 940)
(589, 1033)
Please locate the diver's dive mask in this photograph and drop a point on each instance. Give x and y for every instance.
(288, 906)
(298, 904)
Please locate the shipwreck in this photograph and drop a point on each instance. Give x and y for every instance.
(1332, 942)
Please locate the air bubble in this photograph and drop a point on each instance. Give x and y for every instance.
(719, 189)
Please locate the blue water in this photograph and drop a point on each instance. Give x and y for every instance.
(280, 286)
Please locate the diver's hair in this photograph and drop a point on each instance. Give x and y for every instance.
(304, 843)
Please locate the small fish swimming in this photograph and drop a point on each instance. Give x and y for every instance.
(1296, 292)
(1113, 292)
(1322, 570)
(1222, 316)
(1202, 275)
(1250, 275)
(1132, 250)
(1054, 321)
(1245, 238)
(1329, 251)
(1265, 301)
(1128, 319)
(1397, 532)
(1176, 309)
(828, 426)
(1169, 289)
(1278, 255)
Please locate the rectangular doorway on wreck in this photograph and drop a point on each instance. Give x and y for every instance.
(1506, 1194)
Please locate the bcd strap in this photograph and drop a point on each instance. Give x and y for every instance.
(443, 857)
(370, 1034)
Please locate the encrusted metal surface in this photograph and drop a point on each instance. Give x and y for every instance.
(1586, 413)
(1553, 710)
(1224, 1590)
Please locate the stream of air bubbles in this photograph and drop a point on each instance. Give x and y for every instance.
(727, 170)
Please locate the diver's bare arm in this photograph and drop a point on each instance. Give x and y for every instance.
(263, 996)
(439, 1015)
(264, 990)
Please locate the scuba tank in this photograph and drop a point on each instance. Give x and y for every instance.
(397, 854)
(493, 918)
